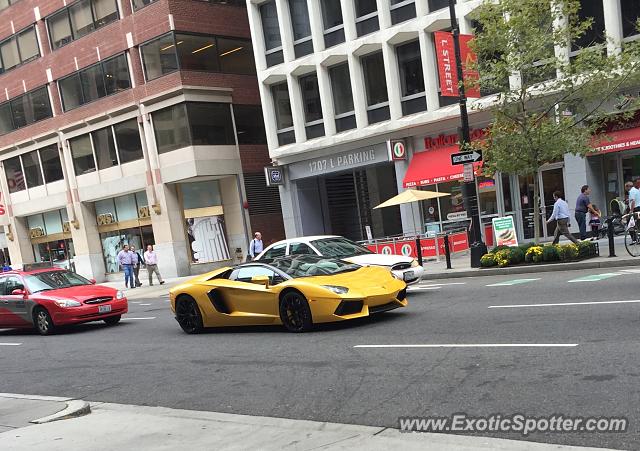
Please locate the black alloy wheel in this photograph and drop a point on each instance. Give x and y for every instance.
(188, 315)
(295, 312)
(43, 321)
(112, 320)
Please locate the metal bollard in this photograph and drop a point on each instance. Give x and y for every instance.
(419, 250)
(447, 252)
(612, 250)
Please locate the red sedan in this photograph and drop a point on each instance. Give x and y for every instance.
(48, 298)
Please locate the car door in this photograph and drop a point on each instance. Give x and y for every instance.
(4, 305)
(16, 305)
(246, 299)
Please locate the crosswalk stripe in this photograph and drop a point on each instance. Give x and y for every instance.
(595, 277)
(508, 283)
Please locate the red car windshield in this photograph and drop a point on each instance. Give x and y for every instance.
(53, 280)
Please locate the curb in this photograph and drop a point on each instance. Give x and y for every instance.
(75, 408)
(532, 269)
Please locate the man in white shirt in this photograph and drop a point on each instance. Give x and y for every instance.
(561, 216)
(634, 196)
(151, 261)
(256, 246)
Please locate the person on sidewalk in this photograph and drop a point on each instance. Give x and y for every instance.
(137, 264)
(151, 261)
(583, 206)
(126, 263)
(256, 246)
(561, 216)
(595, 223)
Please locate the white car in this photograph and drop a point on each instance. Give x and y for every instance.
(403, 268)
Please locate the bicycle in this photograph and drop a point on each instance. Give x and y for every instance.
(632, 234)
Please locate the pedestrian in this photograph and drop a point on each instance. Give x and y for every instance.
(583, 206)
(256, 246)
(151, 261)
(137, 264)
(595, 223)
(6, 267)
(125, 260)
(560, 214)
(634, 196)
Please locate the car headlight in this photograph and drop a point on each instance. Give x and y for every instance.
(336, 289)
(119, 295)
(414, 263)
(68, 303)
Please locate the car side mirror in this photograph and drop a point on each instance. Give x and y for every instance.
(261, 280)
(93, 281)
(19, 292)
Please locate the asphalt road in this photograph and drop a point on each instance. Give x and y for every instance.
(322, 375)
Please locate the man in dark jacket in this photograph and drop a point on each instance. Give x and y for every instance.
(137, 261)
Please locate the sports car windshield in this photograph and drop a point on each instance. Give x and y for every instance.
(54, 280)
(310, 265)
(339, 247)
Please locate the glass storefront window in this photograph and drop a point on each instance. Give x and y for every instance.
(113, 241)
(453, 205)
(207, 240)
(506, 193)
(201, 194)
(487, 196)
(612, 189)
(126, 208)
(52, 222)
(104, 207)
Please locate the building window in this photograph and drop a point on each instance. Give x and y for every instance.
(366, 17)
(80, 19)
(174, 51)
(284, 118)
(204, 221)
(32, 169)
(137, 4)
(25, 110)
(193, 124)
(312, 106)
(411, 78)
(82, 154)
(402, 10)
(271, 31)
(19, 49)
(15, 175)
(594, 10)
(302, 43)
(51, 164)
(376, 87)
(94, 82)
(630, 15)
(128, 141)
(249, 124)
(109, 146)
(342, 97)
(6, 3)
(332, 22)
(435, 5)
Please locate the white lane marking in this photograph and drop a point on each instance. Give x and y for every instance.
(485, 345)
(422, 288)
(562, 304)
(145, 304)
(595, 277)
(630, 271)
(135, 319)
(10, 344)
(509, 283)
(439, 284)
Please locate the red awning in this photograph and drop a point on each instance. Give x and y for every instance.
(433, 166)
(620, 140)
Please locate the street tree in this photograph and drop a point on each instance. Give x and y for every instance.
(555, 89)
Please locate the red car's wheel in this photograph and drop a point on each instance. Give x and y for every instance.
(112, 320)
(43, 321)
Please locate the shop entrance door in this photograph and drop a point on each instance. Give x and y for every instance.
(551, 180)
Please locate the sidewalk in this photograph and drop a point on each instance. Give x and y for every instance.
(146, 291)
(461, 264)
(118, 426)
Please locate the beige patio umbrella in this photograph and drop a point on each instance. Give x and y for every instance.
(411, 196)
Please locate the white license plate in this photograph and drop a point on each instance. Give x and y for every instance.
(104, 308)
(409, 275)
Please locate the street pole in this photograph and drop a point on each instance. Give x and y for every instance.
(469, 194)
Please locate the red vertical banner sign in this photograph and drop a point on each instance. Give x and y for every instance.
(469, 74)
(445, 50)
(446, 56)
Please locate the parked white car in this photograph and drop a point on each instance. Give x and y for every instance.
(403, 268)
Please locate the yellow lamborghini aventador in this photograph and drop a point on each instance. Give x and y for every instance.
(296, 291)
